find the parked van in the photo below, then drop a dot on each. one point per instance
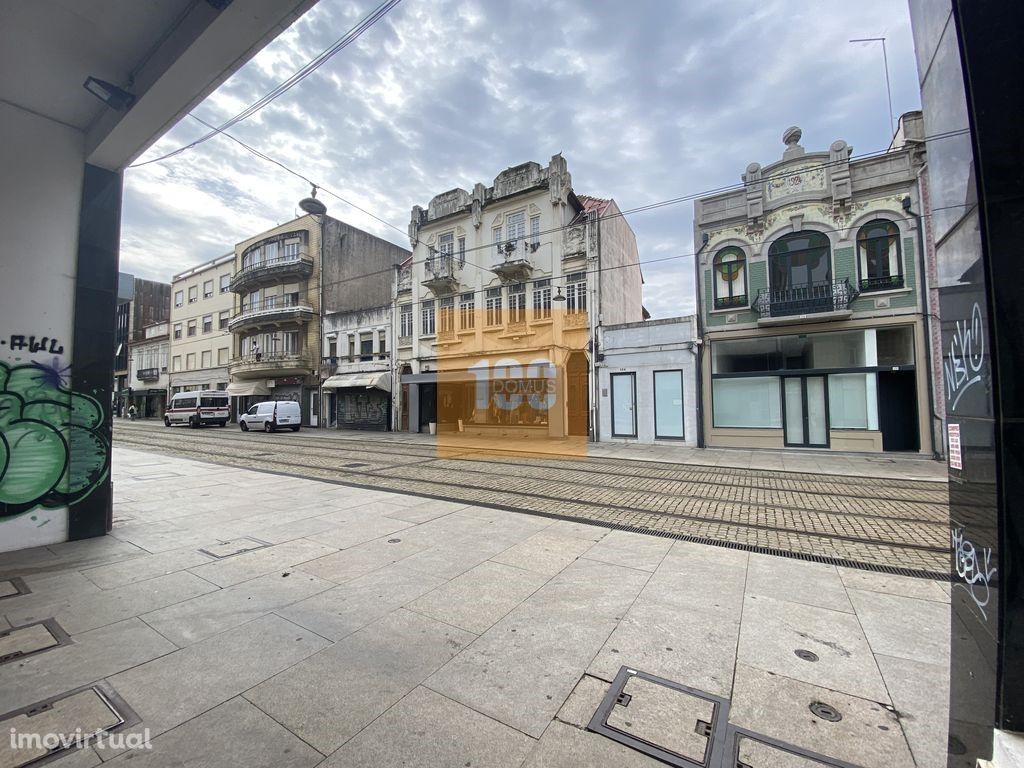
(209, 406)
(271, 415)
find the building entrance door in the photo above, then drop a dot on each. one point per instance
(577, 374)
(805, 411)
(897, 411)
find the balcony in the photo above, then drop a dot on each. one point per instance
(823, 301)
(271, 311)
(440, 270)
(512, 262)
(887, 283)
(270, 365)
(147, 374)
(272, 272)
(731, 302)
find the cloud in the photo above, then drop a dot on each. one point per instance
(648, 101)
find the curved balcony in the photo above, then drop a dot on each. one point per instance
(441, 269)
(272, 272)
(273, 311)
(270, 365)
(513, 263)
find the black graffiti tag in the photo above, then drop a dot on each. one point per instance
(19, 342)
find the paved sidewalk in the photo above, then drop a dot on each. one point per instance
(365, 628)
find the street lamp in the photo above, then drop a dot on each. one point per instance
(885, 61)
(315, 207)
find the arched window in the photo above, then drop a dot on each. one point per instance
(799, 275)
(730, 268)
(878, 256)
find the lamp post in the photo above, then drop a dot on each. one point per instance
(315, 207)
(885, 61)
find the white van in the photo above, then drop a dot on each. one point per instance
(210, 406)
(271, 415)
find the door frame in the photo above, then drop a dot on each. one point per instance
(682, 403)
(632, 381)
(803, 403)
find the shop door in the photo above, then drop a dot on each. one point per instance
(623, 405)
(897, 411)
(577, 375)
(428, 406)
(805, 405)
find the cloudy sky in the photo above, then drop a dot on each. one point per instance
(648, 101)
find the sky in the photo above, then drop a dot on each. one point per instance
(648, 100)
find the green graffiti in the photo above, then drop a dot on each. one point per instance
(53, 448)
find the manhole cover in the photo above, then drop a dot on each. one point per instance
(24, 641)
(233, 547)
(663, 719)
(825, 712)
(66, 722)
(806, 655)
(393, 541)
(750, 750)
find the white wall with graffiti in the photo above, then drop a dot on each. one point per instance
(50, 452)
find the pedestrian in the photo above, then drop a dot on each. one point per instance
(256, 351)
(131, 412)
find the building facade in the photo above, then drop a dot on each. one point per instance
(200, 343)
(141, 303)
(495, 311)
(285, 280)
(357, 368)
(149, 371)
(811, 302)
(648, 382)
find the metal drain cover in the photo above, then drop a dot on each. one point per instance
(18, 642)
(663, 719)
(56, 725)
(825, 712)
(233, 547)
(806, 655)
(751, 750)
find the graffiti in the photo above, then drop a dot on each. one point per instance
(19, 343)
(966, 355)
(975, 568)
(52, 448)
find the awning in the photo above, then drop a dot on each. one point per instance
(360, 381)
(247, 389)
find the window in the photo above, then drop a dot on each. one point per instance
(177, 330)
(176, 363)
(447, 243)
(542, 300)
(668, 405)
(190, 361)
(496, 235)
(515, 226)
(747, 402)
(730, 278)
(332, 348)
(462, 251)
(207, 323)
(291, 249)
(576, 293)
(222, 320)
(405, 324)
(848, 398)
(446, 316)
(517, 303)
(207, 359)
(225, 283)
(493, 306)
(467, 311)
(382, 342)
(222, 356)
(798, 261)
(427, 318)
(179, 298)
(208, 289)
(366, 346)
(535, 231)
(254, 301)
(193, 294)
(878, 256)
(191, 327)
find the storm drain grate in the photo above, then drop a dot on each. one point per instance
(661, 718)
(747, 749)
(224, 549)
(46, 729)
(13, 588)
(30, 639)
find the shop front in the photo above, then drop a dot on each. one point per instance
(360, 400)
(850, 390)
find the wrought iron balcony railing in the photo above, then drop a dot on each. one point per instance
(293, 265)
(808, 299)
(887, 283)
(729, 302)
(147, 374)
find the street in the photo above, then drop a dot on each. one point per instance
(898, 526)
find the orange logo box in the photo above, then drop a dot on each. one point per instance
(512, 385)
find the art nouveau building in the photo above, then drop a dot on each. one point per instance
(495, 311)
(812, 302)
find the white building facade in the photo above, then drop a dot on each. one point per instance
(149, 374)
(648, 382)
